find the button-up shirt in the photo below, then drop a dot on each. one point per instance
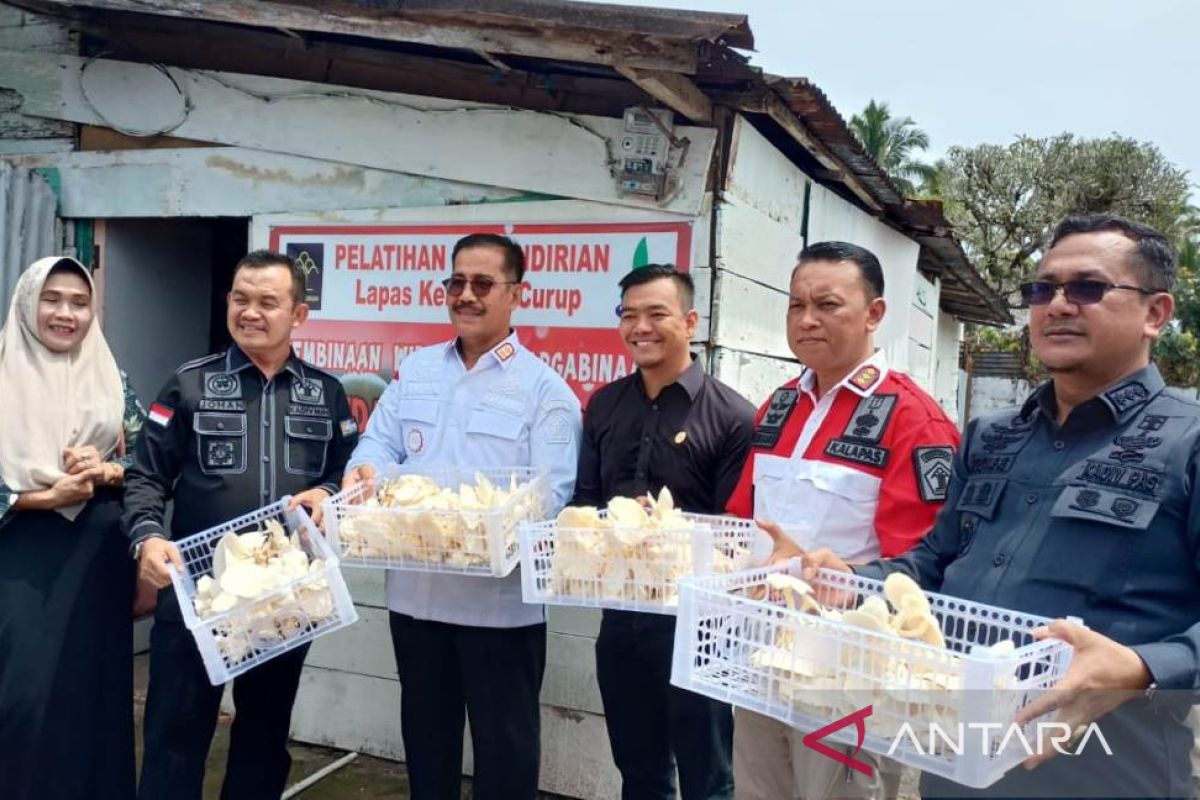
(862, 469)
(691, 438)
(223, 440)
(509, 410)
(1099, 519)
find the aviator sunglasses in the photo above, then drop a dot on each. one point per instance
(481, 285)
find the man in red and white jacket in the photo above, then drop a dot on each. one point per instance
(851, 456)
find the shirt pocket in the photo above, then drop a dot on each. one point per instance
(220, 442)
(307, 445)
(499, 424)
(976, 507)
(418, 419)
(1091, 542)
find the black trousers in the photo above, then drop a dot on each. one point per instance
(654, 727)
(493, 676)
(181, 716)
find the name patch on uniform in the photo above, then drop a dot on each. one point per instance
(1127, 395)
(778, 410)
(222, 385)
(1087, 502)
(308, 391)
(1139, 480)
(870, 419)
(990, 464)
(932, 466)
(857, 452)
(207, 404)
(309, 411)
(981, 495)
(160, 414)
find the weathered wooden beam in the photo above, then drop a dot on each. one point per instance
(673, 90)
(491, 33)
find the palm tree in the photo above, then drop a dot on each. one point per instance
(893, 143)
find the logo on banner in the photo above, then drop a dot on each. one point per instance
(311, 260)
(857, 719)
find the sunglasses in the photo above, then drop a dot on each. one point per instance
(1081, 293)
(481, 285)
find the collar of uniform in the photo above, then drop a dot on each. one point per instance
(295, 366)
(863, 380)
(503, 353)
(1129, 394)
(1122, 399)
(236, 360)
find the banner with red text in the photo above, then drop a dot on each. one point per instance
(375, 293)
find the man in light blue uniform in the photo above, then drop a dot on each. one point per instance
(466, 644)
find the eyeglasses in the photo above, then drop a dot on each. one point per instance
(481, 285)
(1081, 293)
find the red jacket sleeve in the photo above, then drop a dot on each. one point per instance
(741, 502)
(916, 477)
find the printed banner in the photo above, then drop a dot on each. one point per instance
(375, 293)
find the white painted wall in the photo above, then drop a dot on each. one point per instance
(947, 378)
(990, 394)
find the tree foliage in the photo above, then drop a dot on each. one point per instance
(1004, 200)
(894, 143)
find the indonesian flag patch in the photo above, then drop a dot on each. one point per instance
(160, 414)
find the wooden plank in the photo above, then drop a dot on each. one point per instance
(555, 154)
(360, 712)
(494, 33)
(754, 245)
(235, 181)
(673, 90)
(764, 178)
(754, 376)
(749, 316)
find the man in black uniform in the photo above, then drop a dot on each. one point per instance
(668, 424)
(230, 433)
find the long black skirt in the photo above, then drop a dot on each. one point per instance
(66, 663)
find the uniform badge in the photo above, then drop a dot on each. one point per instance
(222, 385)
(415, 441)
(220, 454)
(865, 378)
(308, 391)
(349, 428)
(1127, 395)
(869, 421)
(933, 468)
(778, 410)
(505, 351)
(161, 415)
(681, 437)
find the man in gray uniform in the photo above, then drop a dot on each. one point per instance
(1084, 502)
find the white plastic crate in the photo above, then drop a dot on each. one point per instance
(737, 642)
(631, 568)
(437, 540)
(240, 639)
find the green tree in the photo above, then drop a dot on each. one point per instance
(1005, 199)
(894, 143)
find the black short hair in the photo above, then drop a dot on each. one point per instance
(868, 264)
(1155, 259)
(258, 259)
(67, 264)
(655, 272)
(514, 256)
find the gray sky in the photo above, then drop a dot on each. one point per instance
(975, 71)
